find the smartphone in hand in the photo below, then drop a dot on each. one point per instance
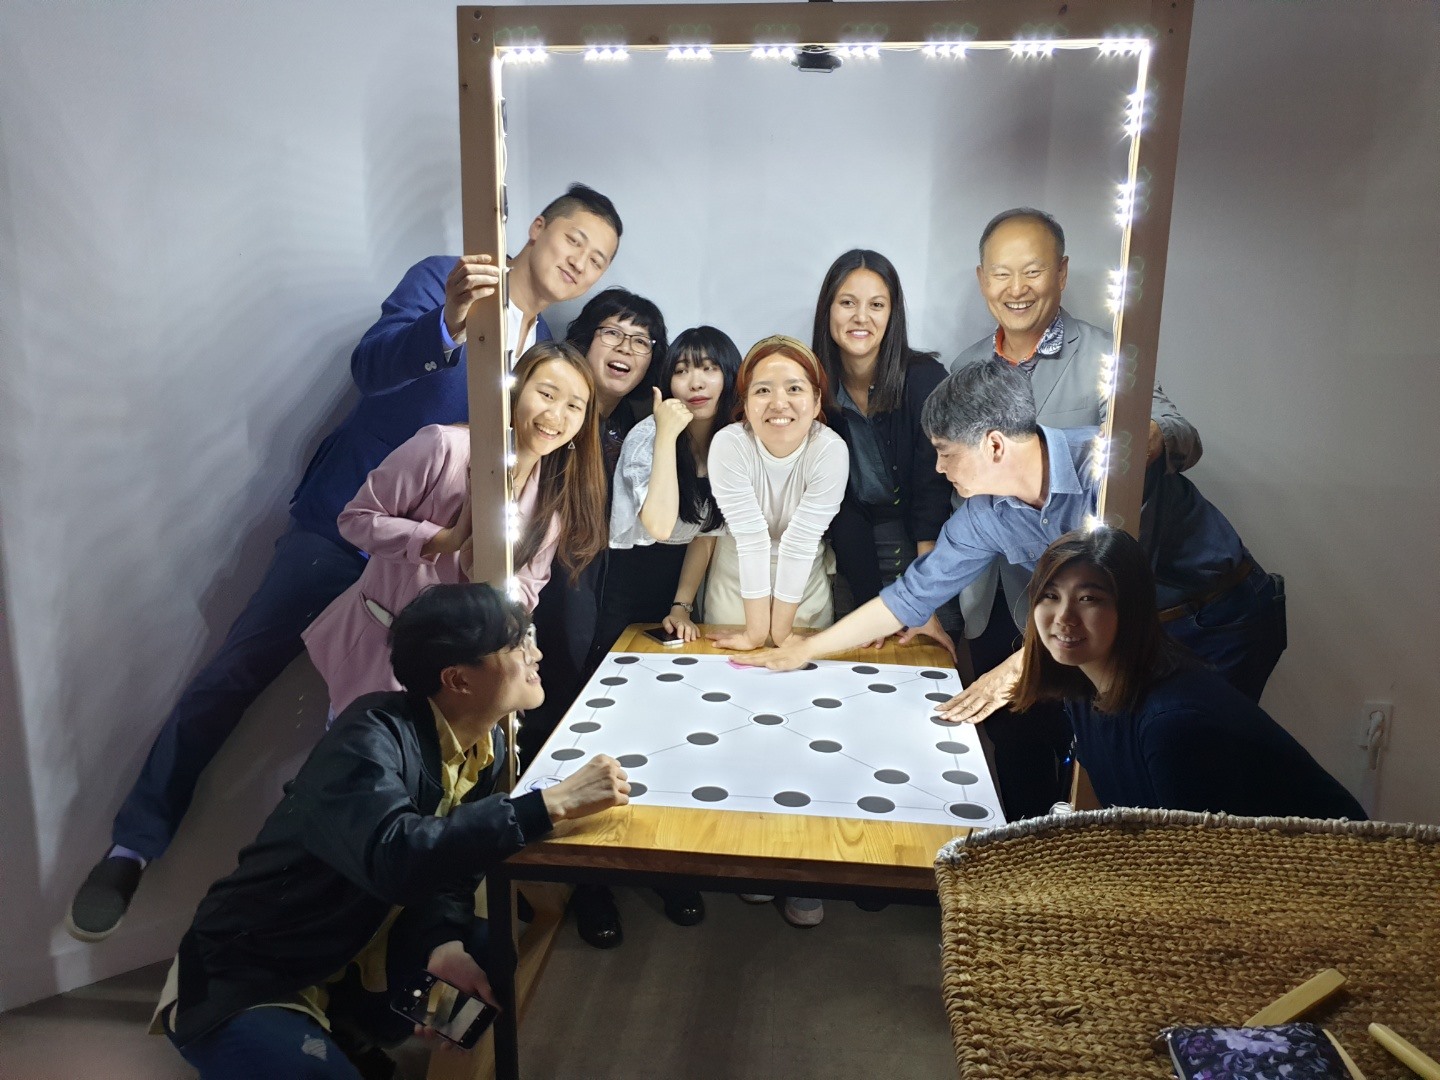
(664, 637)
(453, 1014)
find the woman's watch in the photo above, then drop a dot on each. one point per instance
(682, 605)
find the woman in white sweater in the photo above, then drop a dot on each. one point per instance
(778, 476)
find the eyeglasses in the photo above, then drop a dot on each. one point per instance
(613, 336)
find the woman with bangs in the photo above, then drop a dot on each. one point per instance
(412, 517)
(1153, 726)
(779, 475)
(895, 502)
(663, 517)
(663, 523)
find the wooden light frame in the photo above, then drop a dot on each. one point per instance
(1157, 33)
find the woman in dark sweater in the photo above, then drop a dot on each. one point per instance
(1153, 727)
(895, 502)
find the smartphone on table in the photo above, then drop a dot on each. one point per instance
(664, 637)
(432, 1002)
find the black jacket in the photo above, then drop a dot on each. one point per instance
(924, 493)
(354, 836)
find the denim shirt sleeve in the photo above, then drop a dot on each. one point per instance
(962, 552)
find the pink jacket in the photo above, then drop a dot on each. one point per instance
(405, 501)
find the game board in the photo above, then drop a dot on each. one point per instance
(837, 739)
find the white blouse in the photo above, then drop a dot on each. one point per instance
(777, 509)
(632, 484)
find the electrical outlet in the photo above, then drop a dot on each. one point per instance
(1374, 734)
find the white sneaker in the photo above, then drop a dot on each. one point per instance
(803, 913)
(756, 898)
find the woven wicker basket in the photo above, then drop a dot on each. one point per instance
(1070, 941)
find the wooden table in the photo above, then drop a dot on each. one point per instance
(718, 850)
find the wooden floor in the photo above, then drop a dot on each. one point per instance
(743, 996)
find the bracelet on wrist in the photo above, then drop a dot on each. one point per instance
(687, 608)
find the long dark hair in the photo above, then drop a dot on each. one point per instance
(572, 482)
(622, 304)
(1142, 654)
(693, 346)
(895, 352)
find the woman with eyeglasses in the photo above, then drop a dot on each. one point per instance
(412, 517)
(663, 517)
(619, 334)
(1153, 726)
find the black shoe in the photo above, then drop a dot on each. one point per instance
(683, 908)
(103, 899)
(596, 916)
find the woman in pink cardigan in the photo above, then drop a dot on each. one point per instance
(412, 517)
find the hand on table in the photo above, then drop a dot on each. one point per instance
(457, 967)
(679, 622)
(473, 277)
(933, 630)
(597, 785)
(982, 697)
(741, 640)
(788, 657)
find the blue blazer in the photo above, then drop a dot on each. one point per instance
(406, 381)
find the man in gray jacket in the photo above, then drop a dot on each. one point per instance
(1022, 274)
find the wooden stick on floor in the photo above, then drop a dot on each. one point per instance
(1412, 1057)
(1300, 1000)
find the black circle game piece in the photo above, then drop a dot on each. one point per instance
(768, 719)
(632, 761)
(826, 703)
(811, 666)
(710, 794)
(627, 659)
(934, 674)
(669, 676)
(956, 776)
(943, 722)
(684, 661)
(715, 695)
(703, 738)
(585, 727)
(792, 798)
(875, 804)
(614, 680)
(865, 669)
(892, 776)
(969, 811)
(636, 790)
(952, 747)
(938, 697)
(599, 702)
(881, 688)
(568, 753)
(825, 746)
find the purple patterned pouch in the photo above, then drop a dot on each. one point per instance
(1282, 1052)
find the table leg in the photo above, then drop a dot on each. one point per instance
(501, 972)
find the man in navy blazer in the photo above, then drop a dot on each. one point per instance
(410, 368)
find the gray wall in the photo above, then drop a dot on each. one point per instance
(201, 207)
